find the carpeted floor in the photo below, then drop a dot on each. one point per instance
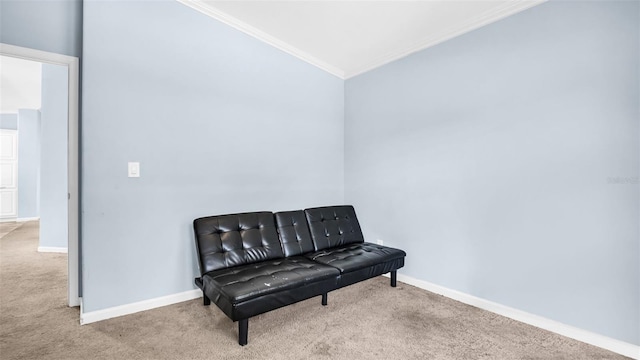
(369, 320)
(7, 227)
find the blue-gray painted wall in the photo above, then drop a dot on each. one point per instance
(505, 162)
(53, 166)
(9, 121)
(47, 25)
(220, 123)
(28, 163)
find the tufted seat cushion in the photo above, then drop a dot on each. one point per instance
(277, 279)
(354, 257)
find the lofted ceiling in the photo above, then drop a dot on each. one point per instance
(20, 84)
(347, 38)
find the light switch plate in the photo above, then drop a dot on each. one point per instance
(134, 169)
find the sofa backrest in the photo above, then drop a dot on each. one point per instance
(333, 226)
(230, 240)
(294, 232)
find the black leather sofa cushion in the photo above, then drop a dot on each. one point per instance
(333, 226)
(242, 283)
(369, 272)
(294, 233)
(259, 305)
(356, 256)
(236, 239)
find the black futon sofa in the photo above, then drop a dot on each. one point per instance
(256, 262)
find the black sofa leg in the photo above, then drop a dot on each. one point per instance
(324, 299)
(243, 331)
(394, 277)
(205, 299)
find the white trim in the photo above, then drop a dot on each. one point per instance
(25, 219)
(495, 14)
(99, 315)
(8, 220)
(225, 18)
(49, 249)
(73, 185)
(72, 163)
(601, 341)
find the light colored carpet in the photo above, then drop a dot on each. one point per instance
(7, 227)
(369, 320)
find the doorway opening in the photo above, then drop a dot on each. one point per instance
(71, 65)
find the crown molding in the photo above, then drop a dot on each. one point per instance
(495, 14)
(225, 18)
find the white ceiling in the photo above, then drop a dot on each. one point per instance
(347, 38)
(20, 84)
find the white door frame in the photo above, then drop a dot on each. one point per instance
(72, 64)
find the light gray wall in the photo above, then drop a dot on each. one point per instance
(9, 121)
(29, 163)
(47, 25)
(220, 123)
(505, 162)
(53, 170)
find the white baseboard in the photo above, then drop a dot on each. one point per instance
(27, 219)
(47, 249)
(617, 346)
(99, 315)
